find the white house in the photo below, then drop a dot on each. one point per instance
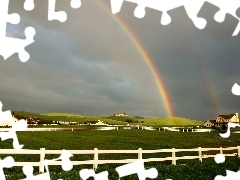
(222, 119)
(228, 118)
(120, 114)
(98, 122)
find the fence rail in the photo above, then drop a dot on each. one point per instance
(95, 162)
(112, 128)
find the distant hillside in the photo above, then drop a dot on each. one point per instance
(127, 119)
(171, 121)
(167, 121)
(61, 114)
(27, 114)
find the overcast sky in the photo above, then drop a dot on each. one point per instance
(88, 65)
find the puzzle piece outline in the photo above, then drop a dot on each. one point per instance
(192, 9)
(16, 126)
(10, 45)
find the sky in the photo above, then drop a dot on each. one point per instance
(93, 64)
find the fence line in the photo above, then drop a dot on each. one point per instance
(95, 162)
(112, 128)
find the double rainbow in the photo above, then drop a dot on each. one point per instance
(136, 42)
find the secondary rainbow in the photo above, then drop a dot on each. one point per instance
(145, 56)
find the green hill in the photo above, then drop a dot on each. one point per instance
(171, 121)
(61, 114)
(127, 119)
(121, 120)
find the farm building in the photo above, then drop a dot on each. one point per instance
(228, 118)
(120, 114)
(222, 119)
(95, 123)
(209, 123)
(98, 122)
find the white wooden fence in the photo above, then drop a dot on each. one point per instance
(112, 128)
(95, 162)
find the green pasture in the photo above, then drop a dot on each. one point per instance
(121, 139)
(127, 140)
(171, 121)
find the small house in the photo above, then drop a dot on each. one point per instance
(209, 123)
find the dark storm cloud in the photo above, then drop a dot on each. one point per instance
(88, 65)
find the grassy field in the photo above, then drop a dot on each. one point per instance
(167, 121)
(171, 121)
(129, 139)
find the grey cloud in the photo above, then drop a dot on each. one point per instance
(89, 65)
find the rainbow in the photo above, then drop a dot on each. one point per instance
(209, 84)
(144, 54)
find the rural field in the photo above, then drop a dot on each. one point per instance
(128, 140)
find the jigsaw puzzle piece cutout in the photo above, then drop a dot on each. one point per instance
(219, 158)
(227, 7)
(7, 162)
(140, 11)
(227, 133)
(53, 15)
(5, 17)
(66, 162)
(238, 12)
(160, 6)
(116, 5)
(8, 45)
(87, 173)
(230, 175)
(28, 171)
(193, 8)
(16, 126)
(66, 166)
(6, 115)
(217, 29)
(75, 4)
(138, 168)
(29, 5)
(236, 89)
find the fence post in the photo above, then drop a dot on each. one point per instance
(200, 154)
(173, 156)
(221, 151)
(183, 130)
(139, 153)
(238, 148)
(95, 165)
(42, 156)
